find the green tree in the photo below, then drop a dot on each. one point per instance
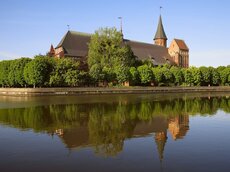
(146, 74)
(224, 74)
(4, 73)
(134, 76)
(65, 73)
(108, 53)
(215, 76)
(37, 72)
(16, 74)
(206, 75)
(197, 76)
(167, 75)
(188, 77)
(122, 74)
(158, 74)
(177, 75)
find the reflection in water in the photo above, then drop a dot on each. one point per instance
(105, 126)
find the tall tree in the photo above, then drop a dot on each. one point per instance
(108, 54)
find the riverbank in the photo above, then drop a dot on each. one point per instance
(107, 90)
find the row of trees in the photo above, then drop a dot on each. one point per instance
(40, 72)
(174, 76)
(49, 72)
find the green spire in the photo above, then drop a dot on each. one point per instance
(160, 34)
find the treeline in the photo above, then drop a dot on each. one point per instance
(41, 71)
(51, 72)
(174, 76)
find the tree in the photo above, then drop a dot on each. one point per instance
(107, 53)
(146, 74)
(197, 76)
(167, 75)
(206, 75)
(37, 72)
(177, 75)
(158, 75)
(122, 74)
(224, 74)
(188, 77)
(65, 73)
(4, 72)
(72, 77)
(215, 76)
(16, 76)
(134, 76)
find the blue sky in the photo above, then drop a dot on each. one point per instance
(28, 27)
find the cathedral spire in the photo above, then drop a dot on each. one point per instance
(160, 36)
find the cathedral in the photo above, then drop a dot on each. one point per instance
(75, 45)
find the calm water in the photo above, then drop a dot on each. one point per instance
(173, 132)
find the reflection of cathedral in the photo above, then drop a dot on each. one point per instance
(178, 127)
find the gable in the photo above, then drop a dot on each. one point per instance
(181, 44)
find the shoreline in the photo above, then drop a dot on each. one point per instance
(107, 90)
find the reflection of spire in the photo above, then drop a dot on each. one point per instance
(160, 139)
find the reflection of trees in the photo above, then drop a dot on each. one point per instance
(109, 124)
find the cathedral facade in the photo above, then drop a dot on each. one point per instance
(75, 45)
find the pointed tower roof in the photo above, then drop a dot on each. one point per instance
(160, 34)
(160, 139)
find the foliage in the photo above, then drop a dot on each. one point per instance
(146, 75)
(177, 75)
(16, 74)
(4, 72)
(224, 75)
(158, 74)
(108, 55)
(134, 76)
(37, 72)
(65, 73)
(196, 75)
(206, 76)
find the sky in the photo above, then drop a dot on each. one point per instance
(29, 27)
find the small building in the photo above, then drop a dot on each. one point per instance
(75, 45)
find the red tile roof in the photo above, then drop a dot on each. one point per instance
(181, 44)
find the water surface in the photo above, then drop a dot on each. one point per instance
(150, 132)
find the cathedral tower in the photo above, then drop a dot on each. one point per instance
(160, 36)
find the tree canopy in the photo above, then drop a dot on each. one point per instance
(108, 57)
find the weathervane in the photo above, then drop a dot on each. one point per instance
(68, 27)
(160, 9)
(120, 18)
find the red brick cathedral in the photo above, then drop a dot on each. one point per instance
(75, 45)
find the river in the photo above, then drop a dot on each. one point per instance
(130, 132)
